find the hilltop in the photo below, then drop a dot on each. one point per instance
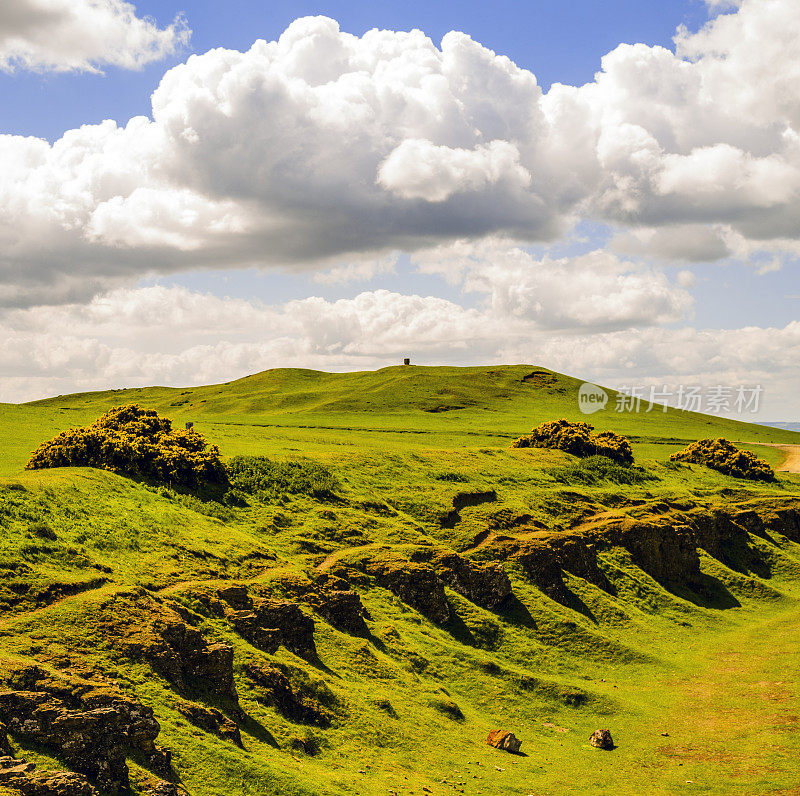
(365, 637)
(448, 406)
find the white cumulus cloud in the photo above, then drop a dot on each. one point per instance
(82, 35)
(323, 146)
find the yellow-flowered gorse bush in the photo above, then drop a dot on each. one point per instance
(723, 456)
(138, 443)
(577, 438)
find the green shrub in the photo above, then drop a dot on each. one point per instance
(596, 469)
(723, 456)
(138, 443)
(258, 475)
(577, 439)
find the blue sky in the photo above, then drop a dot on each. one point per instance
(333, 200)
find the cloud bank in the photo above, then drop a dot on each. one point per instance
(323, 145)
(160, 335)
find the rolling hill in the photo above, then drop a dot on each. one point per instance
(365, 638)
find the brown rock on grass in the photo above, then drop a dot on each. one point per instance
(601, 739)
(21, 777)
(90, 725)
(502, 739)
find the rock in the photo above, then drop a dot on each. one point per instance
(9, 766)
(342, 608)
(236, 596)
(785, 521)
(184, 656)
(486, 585)
(278, 692)
(161, 788)
(90, 726)
(502, 739)
(211, 720)
(270, 623)
(296, 629)
(601, 739)
(5, 746)
(143, 628)
(413, 582)
(248, 625)
(579, 557)
(21, 776)
(542, 566)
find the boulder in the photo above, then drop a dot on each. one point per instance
(502, 739)
(601, 739)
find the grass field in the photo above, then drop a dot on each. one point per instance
(411, 700)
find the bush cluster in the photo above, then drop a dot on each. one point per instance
(723, 456)
(258, 475)
(577, 439)
(597, 469)
(138, 443)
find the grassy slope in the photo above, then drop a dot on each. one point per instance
(644, 662)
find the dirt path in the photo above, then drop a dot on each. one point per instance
(791, 464)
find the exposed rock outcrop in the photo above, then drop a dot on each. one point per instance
(22, 777)
(342, 608)
(90, 726)
(486, 585)
(413, 582)
(276, 690)
(664, 542)
(785, 521)
(143, 628)
(667, 551)
(270, 623)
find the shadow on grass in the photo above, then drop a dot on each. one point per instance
(515, 612)
(237, 714)
(705, 592)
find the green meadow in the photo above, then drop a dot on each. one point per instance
(697, 680)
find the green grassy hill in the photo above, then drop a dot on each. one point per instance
(441, 406)
(366, 640)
